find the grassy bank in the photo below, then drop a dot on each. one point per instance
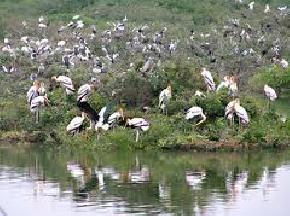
(266, 130)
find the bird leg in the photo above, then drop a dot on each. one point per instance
(137, 135)
(37, 116)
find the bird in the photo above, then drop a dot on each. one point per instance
(75, 126)
(241, 113)
(195, 178)
(282, 8)
(75, 17)
(270, 93)
(164, 97)
(65, 82)
(41, 25)
(267, 9)
(195, 112)
(61, 43)
(125, 19)
(139, 125)
(6, 41)
(110, 122)
(251, 5)
(230, 110)
(210, 85)
(36, 103)
(40, 19)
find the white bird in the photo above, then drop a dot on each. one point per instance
(41, 25)
(267, 9)
(75, 17)
(230, 110)
(5, 69)
(125, 19)
(65, 83)
(251, 5)
(75, 125)
(80, 24)
(270, 93)
(40, 19)
(284, 63)
(24, 23)
(164, 97)
(282, 8)
(195, 112)
(241, 113)
(61, 43)
(139, 125)
(6, 40)
(208, 80)
(36, 103)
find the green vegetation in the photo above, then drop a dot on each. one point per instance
(168, 132)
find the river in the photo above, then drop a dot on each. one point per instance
(45, 182)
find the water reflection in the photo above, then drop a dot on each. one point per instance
(154, 183)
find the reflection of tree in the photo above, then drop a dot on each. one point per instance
(156, 181)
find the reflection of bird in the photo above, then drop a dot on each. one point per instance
(195, 178)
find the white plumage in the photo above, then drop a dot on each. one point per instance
(194, 112)
(41, 25)
(270, 93)
(284, 63)
(251, 5)
(208, 79)
(61, 43)
(76, 17)
(282, 8)
(66, 83)
(267, 8)
(37, 102)
(242, 114)
(164, 97)
(75, 124)
(139, 123)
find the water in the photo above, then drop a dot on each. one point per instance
(44, 182)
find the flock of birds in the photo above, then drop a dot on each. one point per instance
(74, 49)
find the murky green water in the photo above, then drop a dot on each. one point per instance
(43, 182)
